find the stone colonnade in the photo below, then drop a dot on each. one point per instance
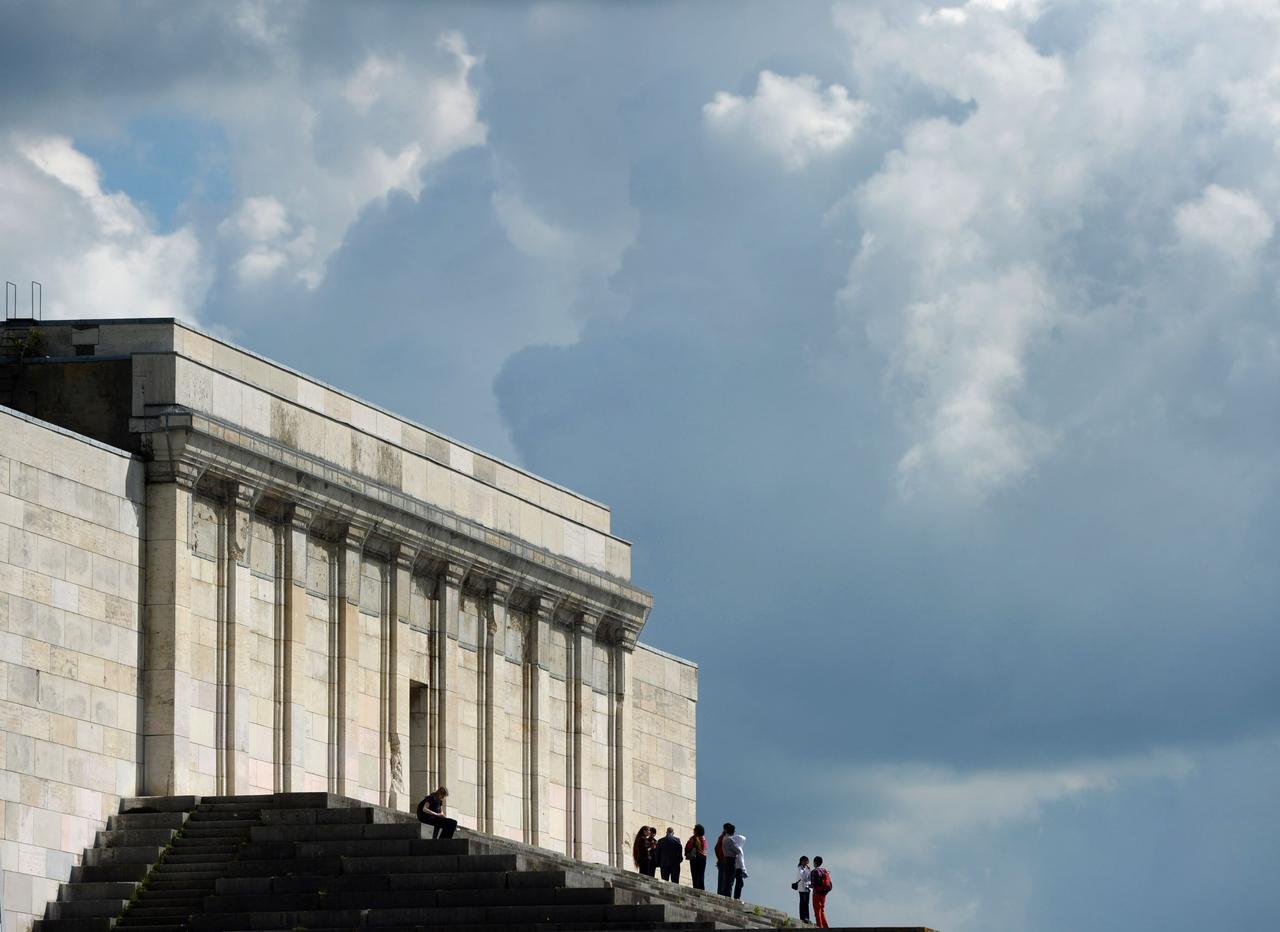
(256, 648)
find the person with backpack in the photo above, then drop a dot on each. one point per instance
(820, 884)
(801, 885)
(695, 852)
(431, 812)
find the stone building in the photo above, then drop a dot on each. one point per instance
(220, 576)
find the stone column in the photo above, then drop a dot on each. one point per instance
(495, 628)
(620, 777)
(293, 573)
(537, 719)
(397, 688)
(166, 675)
(449, 601)
(350, 549)
(236, 582)
(582, 637)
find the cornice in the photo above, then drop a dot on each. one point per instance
(196, 450)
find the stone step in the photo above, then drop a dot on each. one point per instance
(84, 909)
(196, 826)
(195, 860)
(124, 854)
(195, 853)
(314, 800)
(464, 916)
(356, 847)
(133, 837)
(190, 897)
(122, 890)
(108, 873)
(470, 880)
(95, 924)
(271, 867)
(131, 820)
(225, 815)
(166, 911)
(132, 804)
(448, 863)
(405, 899)
(212, 843)
(164, 877)
(556, 927)
(361, 831)
(366, 815)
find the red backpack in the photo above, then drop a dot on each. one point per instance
(820, 880)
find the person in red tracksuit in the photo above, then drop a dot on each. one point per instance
(820, 883)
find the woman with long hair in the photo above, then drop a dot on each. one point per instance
(651, 851)
(640, 851)
(802, 886)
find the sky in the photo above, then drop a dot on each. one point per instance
(928, 353)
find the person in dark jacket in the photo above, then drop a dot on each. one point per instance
(431, 812)
(670, 854)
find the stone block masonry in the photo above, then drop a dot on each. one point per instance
(70, 514)
(278, 587)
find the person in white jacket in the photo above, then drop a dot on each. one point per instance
(801, 885)
(733, 845)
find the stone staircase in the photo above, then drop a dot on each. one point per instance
(319, 862)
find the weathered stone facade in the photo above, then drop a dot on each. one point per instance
(278, 587)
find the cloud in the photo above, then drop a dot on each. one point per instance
(1229, 223)
(792, 120)
(96, 253)
(979, 234)
(321, 151)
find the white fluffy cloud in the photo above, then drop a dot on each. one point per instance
(315, 153)
(978, 232)
(96, 253)
(793, 120)
(1229, 223)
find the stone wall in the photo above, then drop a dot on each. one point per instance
(664, 769)
(70, 512)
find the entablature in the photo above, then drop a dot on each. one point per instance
(291, 487)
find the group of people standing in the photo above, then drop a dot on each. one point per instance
(652, 854)
(815, 880)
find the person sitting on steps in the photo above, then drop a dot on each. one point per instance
(431, 812)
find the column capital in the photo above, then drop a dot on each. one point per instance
(542, 608)
(299, 515)
(584, 622)
(454, 574)
(616, 632)
(241, 494)
(354, 533)
(403, 556)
